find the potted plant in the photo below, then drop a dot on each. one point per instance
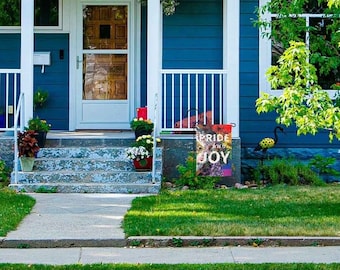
(40, 98)
(41, 127)
(141, 152)
(141, 126)
(28, 149)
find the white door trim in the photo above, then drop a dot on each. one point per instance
(134, 61)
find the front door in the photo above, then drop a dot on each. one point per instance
(104, 65)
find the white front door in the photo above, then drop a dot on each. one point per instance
(105, 77)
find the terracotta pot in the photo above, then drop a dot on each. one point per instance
(143, 164)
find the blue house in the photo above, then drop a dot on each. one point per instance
(100, 60)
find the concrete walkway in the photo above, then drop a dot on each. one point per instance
(172, 255)
(86, 228)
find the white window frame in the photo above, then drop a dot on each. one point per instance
(265, 53)
(16, 29)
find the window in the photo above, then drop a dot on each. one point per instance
(310, 22)
(46, 12)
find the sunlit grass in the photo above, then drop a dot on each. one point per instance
(13, 208)
(276, 211)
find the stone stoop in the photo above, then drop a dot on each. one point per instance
(87, 169)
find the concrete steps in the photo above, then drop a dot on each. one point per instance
(88, 169)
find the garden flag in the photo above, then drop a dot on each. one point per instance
(213, 150)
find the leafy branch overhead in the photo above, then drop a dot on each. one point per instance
(303, 102)
(306, 57)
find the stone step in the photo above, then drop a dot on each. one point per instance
(99, 177)
(88, 168)
(114, 153)
(89, 188)
(86, 164)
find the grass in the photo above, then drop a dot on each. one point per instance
(275, 211)
(269, 266)
(14, 207)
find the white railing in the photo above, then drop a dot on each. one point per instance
(9, 93)
(18, 114)
(192, 97)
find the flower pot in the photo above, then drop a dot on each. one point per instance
(141, 132)
(143, 164)
(26, 163)
(41, 138)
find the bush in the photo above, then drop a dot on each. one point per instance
(286, 171)
(4, 174)
(188, 176)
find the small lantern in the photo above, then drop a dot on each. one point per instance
(142, 113)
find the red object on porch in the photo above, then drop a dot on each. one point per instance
(142, 113)
(143, 165)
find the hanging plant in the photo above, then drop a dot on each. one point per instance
(168, 6)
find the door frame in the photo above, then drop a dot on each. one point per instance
(133, 62)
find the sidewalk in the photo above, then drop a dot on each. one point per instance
(86, 228)
(171, 255)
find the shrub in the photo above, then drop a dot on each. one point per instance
(286, 171)
(323, 166)
(4, 174)
(188, 176)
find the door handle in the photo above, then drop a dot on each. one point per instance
(78, 61)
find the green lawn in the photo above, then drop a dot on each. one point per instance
(275, 211)
(14, 207)
(305, 266)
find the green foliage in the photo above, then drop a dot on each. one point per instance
(288, 26)
(10, 13)
(38, 124)
(188, 176)
(323, 165)
(142, 124)
(177, 242)
(14, 207)
(286, 171)
(4, 173)
(275, 210)
(40, 98)
(43, 189)
(302, 101)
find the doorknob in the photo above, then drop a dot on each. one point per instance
(78, 61)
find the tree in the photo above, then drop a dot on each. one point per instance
(302, 102)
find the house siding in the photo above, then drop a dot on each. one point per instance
(192, 38)
(55, 79)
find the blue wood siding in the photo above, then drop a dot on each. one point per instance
(192, 38)
(254, 127)
(55, 80)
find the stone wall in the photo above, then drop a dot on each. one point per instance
(250, 158)
(7, 150)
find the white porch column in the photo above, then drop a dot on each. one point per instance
(154, 61)
(232, 61)
(26, 56)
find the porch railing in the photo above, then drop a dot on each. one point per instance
(192, 97)
(9, 94)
